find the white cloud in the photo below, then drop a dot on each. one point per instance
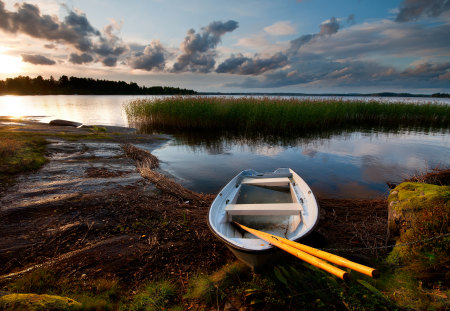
(282, 28)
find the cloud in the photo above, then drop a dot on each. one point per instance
(37, 59)
(414, 9)
(354, 73)
(80, 58)
(329, 27)
(356, 56)
(281, 28)
(256, 41)
(50, 46)
(351, 19)
(152, 58)
(75, 31)
(251, 66)
(199, 48)
(256, 65)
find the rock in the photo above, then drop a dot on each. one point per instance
(58, 122)
(34, 302)
(418, 211)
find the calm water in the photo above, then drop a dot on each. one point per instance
(350, 165)
(343, 165)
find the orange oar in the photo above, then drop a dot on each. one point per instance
(319, 263)
(321, 254)
(341, 261)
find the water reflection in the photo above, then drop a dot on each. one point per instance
(349, 164)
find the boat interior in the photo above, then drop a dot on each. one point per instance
(271, 204)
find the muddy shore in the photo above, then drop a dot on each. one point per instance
(90, 213)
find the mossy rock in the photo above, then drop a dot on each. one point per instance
(419, 217)
(34, 302)
(408, 200)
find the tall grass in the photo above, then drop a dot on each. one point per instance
(275, 116)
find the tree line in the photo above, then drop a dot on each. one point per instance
(441, 95)
(24, 85)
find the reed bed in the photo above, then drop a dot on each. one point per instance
(280, 115)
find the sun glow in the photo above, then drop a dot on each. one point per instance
(10, 64)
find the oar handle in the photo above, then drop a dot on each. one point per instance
(341, 261)
(298, 253)
(316, 253)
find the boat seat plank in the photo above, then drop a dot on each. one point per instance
(266, 181)
(264, 209)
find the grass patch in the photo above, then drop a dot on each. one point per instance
(292, 285)
(20, 152)
(154, 296)
(98, 294)
(280, 116)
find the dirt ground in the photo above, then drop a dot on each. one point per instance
(89, 213)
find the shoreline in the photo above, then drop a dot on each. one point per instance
(102, 212)
(102, 224)
(96, 169)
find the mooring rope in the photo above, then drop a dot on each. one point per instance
(385, 246)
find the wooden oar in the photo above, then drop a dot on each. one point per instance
(319, 263)
(341, 261)
(320, 254)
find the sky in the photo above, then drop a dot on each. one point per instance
(303, 46)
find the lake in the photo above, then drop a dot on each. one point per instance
(336, 165)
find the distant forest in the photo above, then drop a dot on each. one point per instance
(24, 85)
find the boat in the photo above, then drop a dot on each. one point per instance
(278, 203)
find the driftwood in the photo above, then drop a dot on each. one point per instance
(146, 162)
(142, 157)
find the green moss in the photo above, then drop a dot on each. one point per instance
(34, 302)
(20, 152)
(96, 128)
(419, 212)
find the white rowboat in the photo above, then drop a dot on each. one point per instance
(279, 203)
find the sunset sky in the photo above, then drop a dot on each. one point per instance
(307, 46)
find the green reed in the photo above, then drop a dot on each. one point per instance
(284, 116)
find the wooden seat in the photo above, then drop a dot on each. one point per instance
(264, 209)
(281, 181)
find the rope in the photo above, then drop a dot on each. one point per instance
(386, 246)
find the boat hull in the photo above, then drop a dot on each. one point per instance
(250, 250)
(256, 260)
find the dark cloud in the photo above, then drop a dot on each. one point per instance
(109, 61)
(352, 58)
(354, 74)
(329, 27)
(199, 48)
(75, 30)
(296, 44)
(414, 9)
(384, 38)
(152, 58)
(429, 71)
(50, 46)
(37, 59)
(256, 65)
(110, 44)
(351, 19)
(252, 66)
(80, 58)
